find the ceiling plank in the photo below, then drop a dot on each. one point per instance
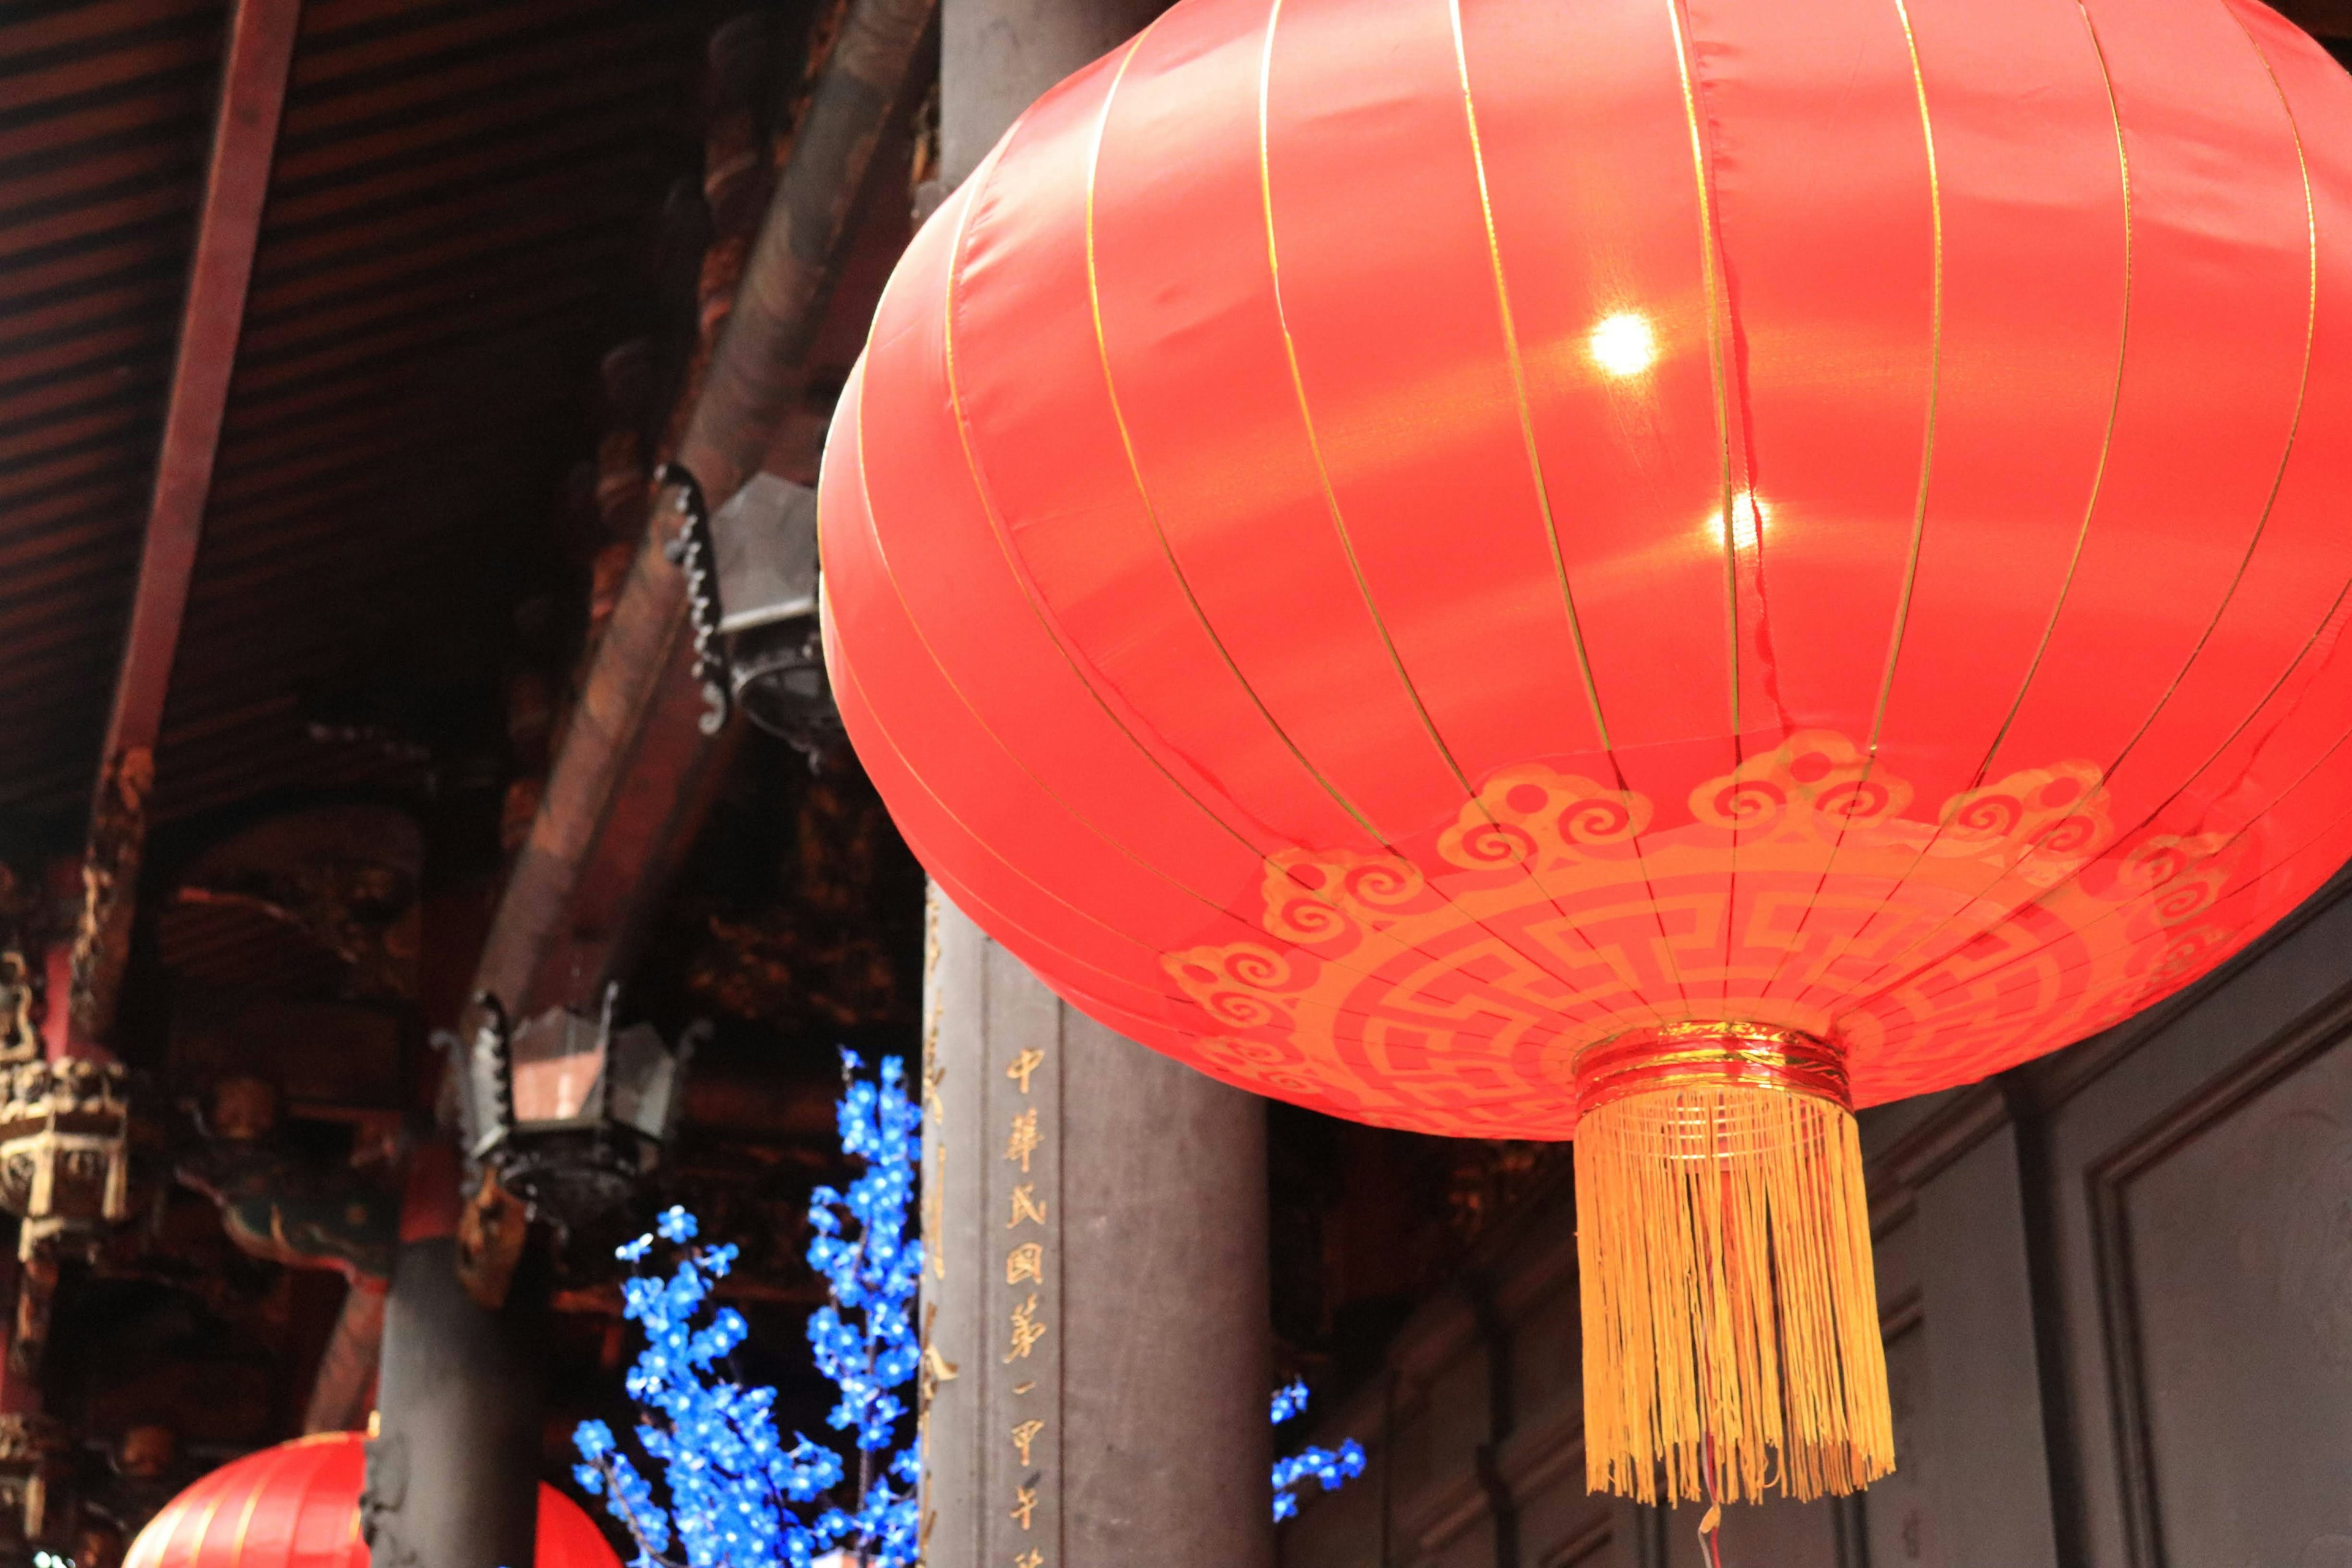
(229, 229)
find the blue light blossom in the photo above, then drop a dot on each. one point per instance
(734, 1494)
(1333, 1469)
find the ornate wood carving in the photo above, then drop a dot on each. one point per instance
(21, 936)
(33, 1452)
(118, 842)
(320, 901)
(283, 1210)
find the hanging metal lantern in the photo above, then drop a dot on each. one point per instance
(570, 1113)
(65, 1160)
(751, 574)
(1654, 570)
(765, 540)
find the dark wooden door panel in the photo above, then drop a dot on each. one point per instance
(2200, 1186)
(2227, 1252)
(1898, 1514)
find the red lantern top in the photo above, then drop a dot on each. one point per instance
(1379, 543)
(298, 1506)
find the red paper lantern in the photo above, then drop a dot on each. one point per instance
(298, 1506)
(1470, 565)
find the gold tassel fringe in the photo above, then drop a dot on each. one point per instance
(1730, 1311)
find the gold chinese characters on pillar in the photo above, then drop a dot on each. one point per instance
(1023, 1143)
(1024, 1264)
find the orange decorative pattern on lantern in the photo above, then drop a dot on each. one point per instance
(1455, 996)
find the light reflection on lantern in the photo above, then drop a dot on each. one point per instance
(1623, 344)
(1749, 517)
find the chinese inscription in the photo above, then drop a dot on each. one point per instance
(1026, 1331)
(1023, 1435)
(1024, 1264)
(1024, 1140)
(1027, 1062)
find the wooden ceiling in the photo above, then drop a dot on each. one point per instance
(462, 217)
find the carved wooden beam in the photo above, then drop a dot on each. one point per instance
(630, 782)
(228, 226)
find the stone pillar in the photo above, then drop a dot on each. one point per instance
(453, 1470)
(1095, 1303)
(1095, 1299)
(997, 56)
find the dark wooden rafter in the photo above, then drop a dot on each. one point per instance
(228, 228)
(630, 784)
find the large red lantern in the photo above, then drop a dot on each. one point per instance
(298, 1506)
(1689, 564)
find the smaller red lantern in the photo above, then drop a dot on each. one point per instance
(298, 1506)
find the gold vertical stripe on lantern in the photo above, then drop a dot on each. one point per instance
(1731, 1338)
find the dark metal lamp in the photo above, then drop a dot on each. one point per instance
(751, 571)
(571, 1113)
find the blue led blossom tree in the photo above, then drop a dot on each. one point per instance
(736, 1495)
(1333, 1469)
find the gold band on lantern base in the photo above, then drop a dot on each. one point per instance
(1731, 1340)
(1679, 1055)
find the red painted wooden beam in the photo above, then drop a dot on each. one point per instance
(245, 138)
(628, 789)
